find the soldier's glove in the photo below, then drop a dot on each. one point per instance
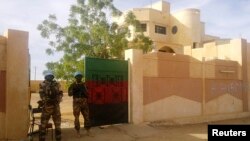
(40, 103)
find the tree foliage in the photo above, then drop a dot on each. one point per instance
(89, 33)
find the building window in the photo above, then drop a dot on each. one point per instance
(141, 28)
(174, 29)
(195, 45)
(160, 29)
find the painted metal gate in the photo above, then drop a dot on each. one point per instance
(107, 83)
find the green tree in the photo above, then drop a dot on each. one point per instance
(89, 33)
(139, 41)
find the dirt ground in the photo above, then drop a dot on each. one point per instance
(130, 132)
(65, 105)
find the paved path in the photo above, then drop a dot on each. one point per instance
(142, 132)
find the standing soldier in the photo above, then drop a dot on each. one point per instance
(80, 105)
(51, 96)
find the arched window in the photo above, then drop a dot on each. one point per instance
(166, 49)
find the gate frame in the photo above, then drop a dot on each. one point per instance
(135, 85)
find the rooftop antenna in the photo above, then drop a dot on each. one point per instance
(35, 74)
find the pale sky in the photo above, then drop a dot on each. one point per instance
(223, 18)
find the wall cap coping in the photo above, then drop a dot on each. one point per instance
(3, 40)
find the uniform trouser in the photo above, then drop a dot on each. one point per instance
(80, 105)
(47, 112)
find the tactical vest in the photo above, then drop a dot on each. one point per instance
(79, 90)
(51, 91)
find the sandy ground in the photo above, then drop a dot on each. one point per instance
(130, 132)
(65, 105)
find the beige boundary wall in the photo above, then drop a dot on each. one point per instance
(14, 84)
(34, 86)
(179, 86)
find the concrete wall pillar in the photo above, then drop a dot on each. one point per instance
(244, 75)
(248, 75)
(2, 86)
(135, 59)
(17, 85)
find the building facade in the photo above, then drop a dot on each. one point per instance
(205, 78)
(175, 30)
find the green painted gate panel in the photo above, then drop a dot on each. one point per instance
(107, 83)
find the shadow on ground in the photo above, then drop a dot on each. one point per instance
(143, 132)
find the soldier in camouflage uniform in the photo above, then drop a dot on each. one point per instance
(80, 105)
(51, 96)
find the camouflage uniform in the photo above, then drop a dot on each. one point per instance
(51, 96)
(80, 104)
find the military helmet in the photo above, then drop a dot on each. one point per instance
(47, 73)
(77, 74)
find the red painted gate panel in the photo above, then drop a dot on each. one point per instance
(2, 91)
